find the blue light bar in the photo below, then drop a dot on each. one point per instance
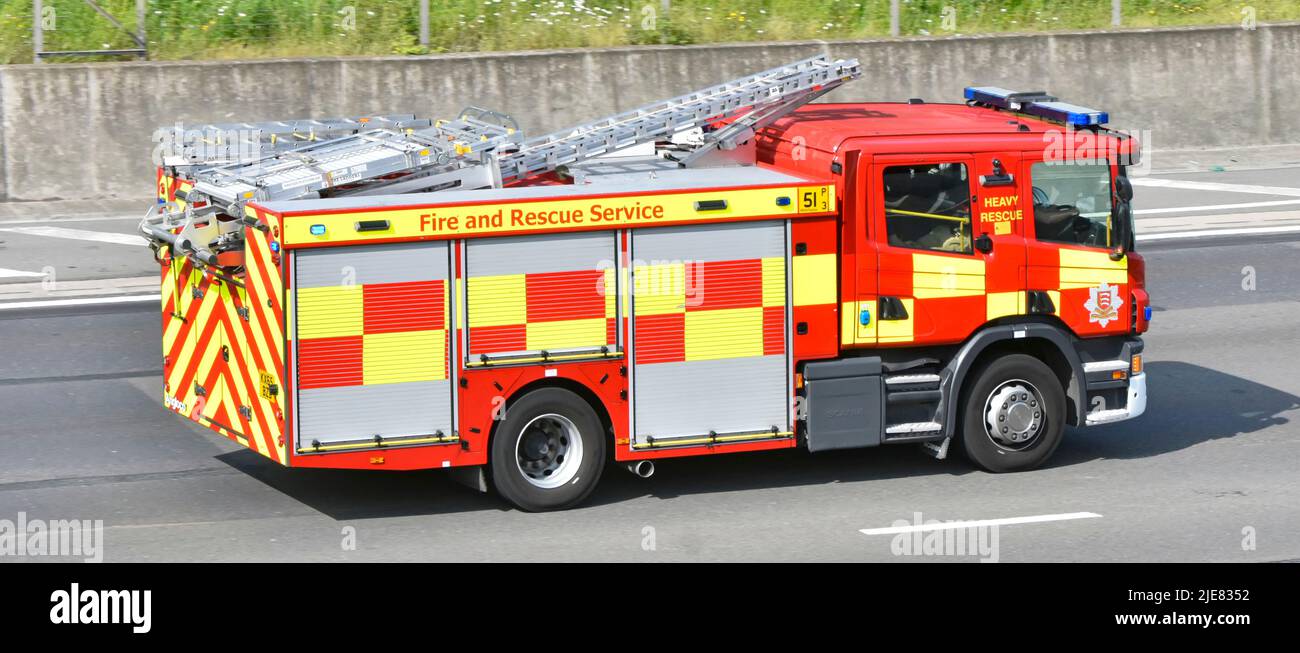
(1036, 103)
(318, 230)
(1070, 114)
(995, 96)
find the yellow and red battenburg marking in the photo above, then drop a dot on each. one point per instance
(710, 310)
(371, 334)
(541, 311)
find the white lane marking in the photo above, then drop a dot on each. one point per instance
(1215, 220)
(1006, 521)
(6, 272)
(86, 301)
(1214, 207)
(80, 234)
(1215, 186)
(68, 218)
(1208, 233)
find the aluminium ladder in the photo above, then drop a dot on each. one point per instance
(203, 146)
(481, 149)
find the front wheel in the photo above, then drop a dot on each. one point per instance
(1013, 417)
(548, 452)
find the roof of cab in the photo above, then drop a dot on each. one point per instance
(827, 126)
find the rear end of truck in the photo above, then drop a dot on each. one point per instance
(223, 329)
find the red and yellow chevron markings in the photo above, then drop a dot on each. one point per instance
(223, 347)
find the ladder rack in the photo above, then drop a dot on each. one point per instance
(482, 149)
(203, 146)
(477, 149)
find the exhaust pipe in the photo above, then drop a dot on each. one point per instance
(642, 468)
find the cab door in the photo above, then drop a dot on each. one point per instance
(1001, 209)
(931, 281)
(951, 241)
(1070, 239)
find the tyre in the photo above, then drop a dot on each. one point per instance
(548, 452)
(1013, 415)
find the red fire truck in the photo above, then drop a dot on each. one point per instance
(735, 269)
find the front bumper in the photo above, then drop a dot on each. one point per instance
(1135, 406)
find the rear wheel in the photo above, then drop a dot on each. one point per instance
(1013, 416)
(548, 452)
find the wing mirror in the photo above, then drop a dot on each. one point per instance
(1122, 217)
(1123, 230)
(1123, 188)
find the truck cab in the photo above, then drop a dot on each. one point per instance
(974, 237)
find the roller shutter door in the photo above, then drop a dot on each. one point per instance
(372, 345)
(548, 295)
(709, 333)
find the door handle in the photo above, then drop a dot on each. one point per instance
(984, 243)
(892, 308)
(1040, 302)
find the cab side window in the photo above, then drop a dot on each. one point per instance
(928, 207)
(1072, 203)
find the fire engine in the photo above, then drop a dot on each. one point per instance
(736, 269)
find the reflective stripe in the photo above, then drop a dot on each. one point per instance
(404, 356)
(724, 333)
(1002, 304)
(498, 300)
(330, 312)
(815, 279)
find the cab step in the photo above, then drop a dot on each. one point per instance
(914, 428)
(901, 381)
(912, 399)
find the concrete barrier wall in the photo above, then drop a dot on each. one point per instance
(83, 131)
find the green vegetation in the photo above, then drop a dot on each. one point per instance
(229, 29)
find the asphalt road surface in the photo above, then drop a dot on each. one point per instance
(1208, 474)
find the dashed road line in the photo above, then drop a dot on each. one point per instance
(7, 273)
(1210, 233)
(80, 234)
(979, 523)
(1179, 184)
(85, 301)
(1214, 207)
